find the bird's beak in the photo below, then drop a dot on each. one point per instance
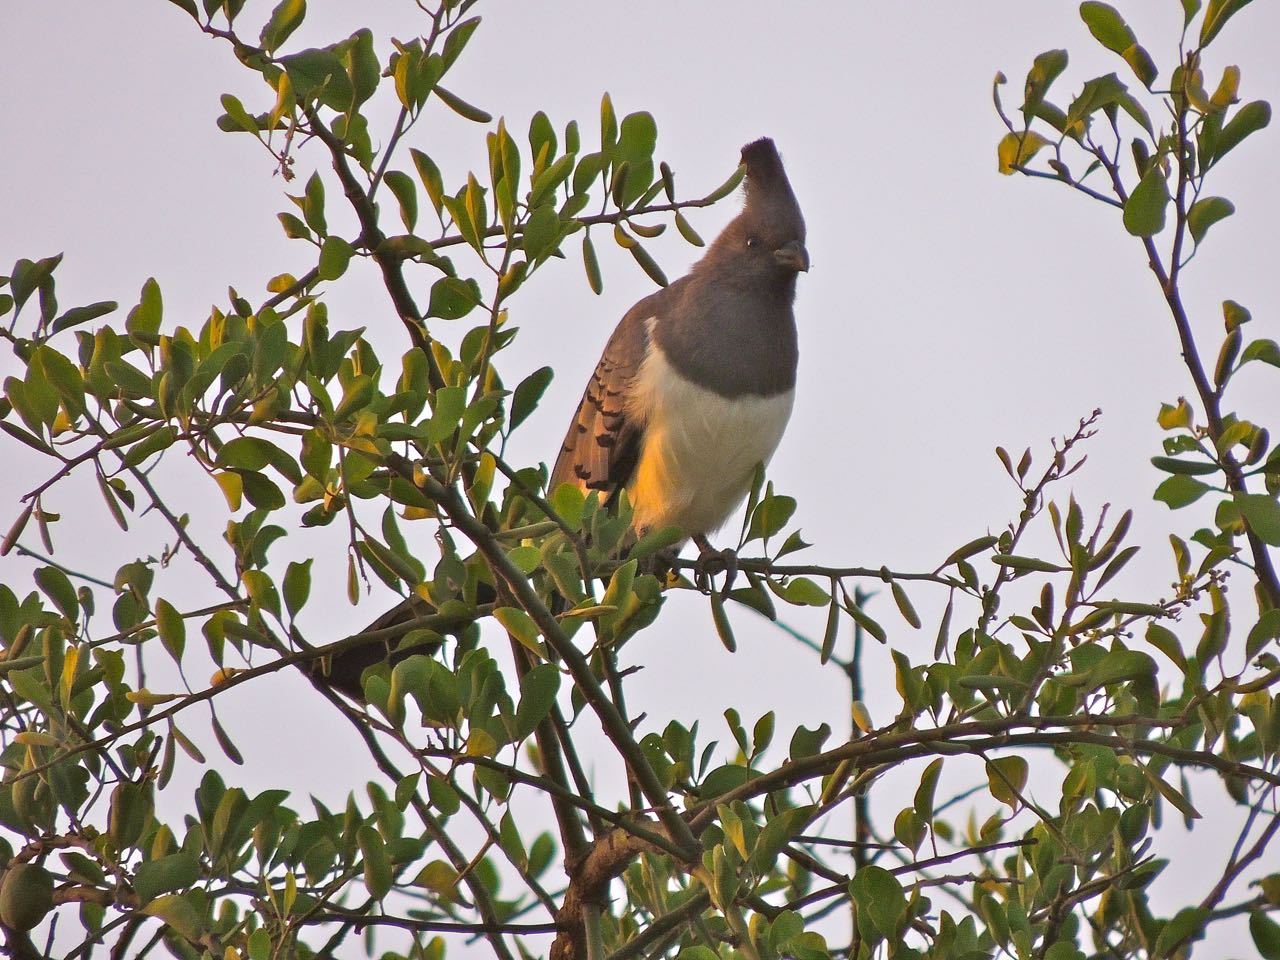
(793, 256)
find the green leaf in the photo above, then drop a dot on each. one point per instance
(1249, 119)
(1144, 69)
(1006, 778)
(647, 264)
(453, 298)
(1262, 513)
(442, 795)
(146, 316)
(55, 585)
(1063, 950)
(1025, 564)
(355, 397)
(969, 549)
(1234, 315)
(132, 807)
(429, 174)
(1268, 351)
(521, 626)
(377, 865)
(864, 620)
(363, 66)
(320, 74)
(830, 633)
(777, 833)
(879, 894)
(726, 188)
(527, 394)
(1196, 468)
(237, 118)
(542, 232)
(259, 944)
(904, 605)
(172, 628)
(807, 743)
(294, 228)
(1121, 666)
(1186, 923)
(1180, 490)
(1097, 93)
(1205, 212)
(770, 515)
(538, 690)
(457, 39)
(461, 107)
(724, 629)
(658, 538)
(78, 315)
(637, 137)
(925, 792)
(335, 254)
(802, 591)
(1107, 26)
(1181, 803)
(1216, 16)
(245, 453)
(285, 19)
(1266, 935)
(297, 585)
(178, 911)
(1144, 211)
(1166, 641)
(592, 265)
(174, 872)
(1046, 68)
(401, 184)
(686, 230)
(189, 6)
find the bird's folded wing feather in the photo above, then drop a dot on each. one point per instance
(603, 443)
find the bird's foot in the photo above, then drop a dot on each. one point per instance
(712, 561)
(664, 564)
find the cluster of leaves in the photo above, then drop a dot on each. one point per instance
(733, 850)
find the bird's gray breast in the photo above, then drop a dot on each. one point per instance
(732, 342)
(700, 448)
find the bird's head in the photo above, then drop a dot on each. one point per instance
(765, 242)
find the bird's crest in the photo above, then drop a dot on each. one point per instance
(768, 191)
(763, 165)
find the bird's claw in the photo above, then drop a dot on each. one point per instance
(712, 561)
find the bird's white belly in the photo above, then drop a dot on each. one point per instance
(700, 449)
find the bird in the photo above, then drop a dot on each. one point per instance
(691, 395)
(696, 385)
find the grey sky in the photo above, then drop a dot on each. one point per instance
(948, 310)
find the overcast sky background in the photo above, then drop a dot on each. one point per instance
(948, 310)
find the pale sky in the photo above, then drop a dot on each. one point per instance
(949, 309)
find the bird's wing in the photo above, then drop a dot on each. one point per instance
(603, 443)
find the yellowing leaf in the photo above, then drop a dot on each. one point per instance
(1016, 150)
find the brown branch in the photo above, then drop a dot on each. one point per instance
(589, 880)
(974, 737)
(438, 622)
(359, 921)
(1209, 397)
(372, 237)
(615, 727)
(662, 926)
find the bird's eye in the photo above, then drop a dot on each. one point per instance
(752, 242)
